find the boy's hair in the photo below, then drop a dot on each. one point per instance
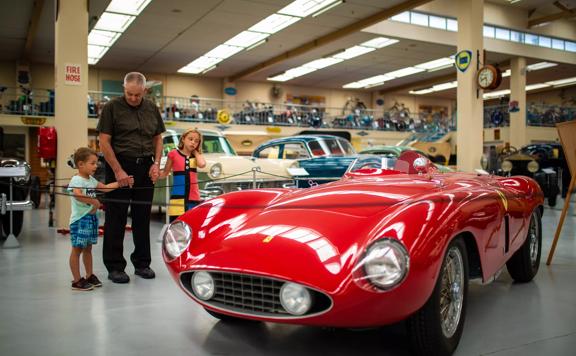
(82, 154)
(188, 132)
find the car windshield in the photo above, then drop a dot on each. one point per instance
(210, 144)
(331, 147)
(371, 164)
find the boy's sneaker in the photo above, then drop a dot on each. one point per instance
(93, 280)
(82, 285)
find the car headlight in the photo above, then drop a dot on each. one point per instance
(176, 239)
(506, 166)
(386, 263)
(203, 285)
(533, 166)
(484, 162)
(216, 170)
(295, 164)
(296, 299)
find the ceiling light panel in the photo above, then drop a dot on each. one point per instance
(379, 42)
(405, 72)
(441, 63)
(536, 86)
(274, 23)
(353, 52)
(281, 78)
(562, 82)
(541, 65)
(102, 38)
(223, 51)
(421, 91)
(299, 71)
(129, 7)
(96, 51)
(246, 39)
(303, 8)
(322, 62)
(114, 22)
(355, 85)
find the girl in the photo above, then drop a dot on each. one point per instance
(183, 162)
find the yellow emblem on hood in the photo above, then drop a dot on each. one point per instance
(504, 199)
(268, 239)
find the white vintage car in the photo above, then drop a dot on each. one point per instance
(225, 171)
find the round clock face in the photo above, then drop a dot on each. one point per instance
(485, 77)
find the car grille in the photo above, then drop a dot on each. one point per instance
(227, 187)
(254, 295)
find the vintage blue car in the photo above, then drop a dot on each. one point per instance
(324, 158)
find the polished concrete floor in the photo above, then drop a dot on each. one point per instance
(40, 315)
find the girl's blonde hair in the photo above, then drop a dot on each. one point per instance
(188, 132)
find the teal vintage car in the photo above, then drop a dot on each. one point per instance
(395, 151)
(225, 171)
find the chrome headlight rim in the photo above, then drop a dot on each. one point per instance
(506, 166)
(173, 248)
(304, 305)
(215, 171)
(533, 166)
(370, 256)
(203, 279)
(25, 178)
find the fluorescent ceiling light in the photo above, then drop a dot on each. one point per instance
(303, 8)
(496, 94)
(541, 65)
(114, 22)
(281, 78)
(506, 73)
(96, 51)
(422, 91)
(353, 52)
(223, 51)
(562, 82)
(405, 71)
(299, 71)
(322, 63)
(378, 79)
(274, 23)
(257, 44)
(93, 60)
(379, 42)
(246, 39)
(354, 85)
(327, 8)
(129, 7)
(536, 86)
(436, 64)
(445, 86)
(102, 38)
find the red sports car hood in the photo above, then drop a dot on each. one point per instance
(311, 236)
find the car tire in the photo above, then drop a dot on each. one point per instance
(430, 332)
(19, 195)
(35, 193)
(226, 318)
(525, 262)
(552, 200)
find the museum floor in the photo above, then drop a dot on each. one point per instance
(40, 315)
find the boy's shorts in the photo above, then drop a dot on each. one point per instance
(84, 232)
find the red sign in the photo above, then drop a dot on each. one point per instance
(72, 74)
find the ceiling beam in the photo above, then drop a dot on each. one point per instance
(566, 13)
(32, 29)
(333, 36)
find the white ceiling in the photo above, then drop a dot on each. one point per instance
(171, 33)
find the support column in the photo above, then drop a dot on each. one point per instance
(71, 85)
(470, 105)
(518, 93)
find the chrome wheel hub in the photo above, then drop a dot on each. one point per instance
(534, 247)
(452, 292)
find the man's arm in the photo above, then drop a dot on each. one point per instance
(106, 147)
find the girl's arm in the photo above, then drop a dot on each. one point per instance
(200, 161)
(167, 168)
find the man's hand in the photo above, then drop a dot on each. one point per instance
(123, 179)
(154, 173)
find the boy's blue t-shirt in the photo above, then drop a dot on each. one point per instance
(88, 187)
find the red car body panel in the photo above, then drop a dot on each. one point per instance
(316, 236)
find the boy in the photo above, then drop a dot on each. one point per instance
(83, 219)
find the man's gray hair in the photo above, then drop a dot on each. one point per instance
(135, 77)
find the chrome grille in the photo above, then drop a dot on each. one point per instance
(251, 293)
(227, 187)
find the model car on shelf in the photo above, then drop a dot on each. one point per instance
(396, 151)
(225, 171)
(544, 162)
(324, 158)
(392, 240)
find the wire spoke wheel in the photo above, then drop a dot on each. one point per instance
(451, 293)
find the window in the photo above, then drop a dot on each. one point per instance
(419, 19)
(403, 17)
(216, 144)
(489, 31)
(438, 22)
(316, 149)
(531, 39)
(570, 46)
(295, 151)
(333, 147)
(516, 36)
(557, 44)
(502, 34)
(347, 147)
(545, 42)
(269, 152)
(452, 25)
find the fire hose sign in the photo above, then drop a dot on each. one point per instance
(72, 74)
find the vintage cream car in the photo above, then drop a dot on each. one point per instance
(225, 171)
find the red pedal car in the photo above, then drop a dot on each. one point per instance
(394, 239)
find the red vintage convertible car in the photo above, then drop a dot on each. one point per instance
(394, 239)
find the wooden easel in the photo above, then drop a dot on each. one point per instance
(567, 134)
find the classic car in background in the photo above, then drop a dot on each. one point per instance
(25, 195)
(392, 240)
(225, 171)
(324, 157)
(395, 151)
(545, 162)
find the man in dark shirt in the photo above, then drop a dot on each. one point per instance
(130, 133)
